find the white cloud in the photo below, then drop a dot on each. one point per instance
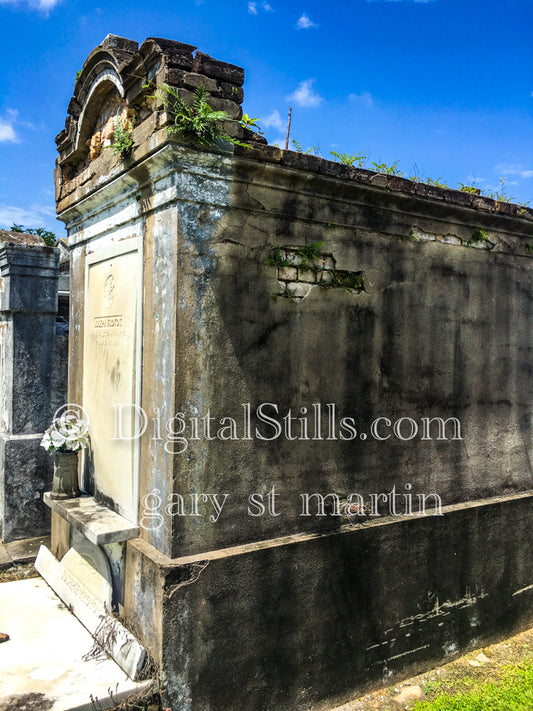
(43, 5)
(7, 129)
(514, 169)
(33, 216)
(305, 95)
(7, 132)
(304, 23)
(253, 9)
(424, 2)
(273, 120)
(10, 125)
(366, 98)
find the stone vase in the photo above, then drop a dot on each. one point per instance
(65, 483)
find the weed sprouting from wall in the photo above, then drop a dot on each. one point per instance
(122, 137)
(478, 238)
(198, 122)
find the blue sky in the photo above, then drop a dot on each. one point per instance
(443, 86)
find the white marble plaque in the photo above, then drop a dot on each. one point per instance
(110, 634)
(109, 374)
(88, 565)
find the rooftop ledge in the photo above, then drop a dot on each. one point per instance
(98, 523)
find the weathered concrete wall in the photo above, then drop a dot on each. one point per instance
(418, 306)
(33, 379)
(440, 330)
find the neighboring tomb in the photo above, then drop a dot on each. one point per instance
(33, 378)
(230, 306)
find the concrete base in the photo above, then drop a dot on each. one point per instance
(44, 663)
(24, 551)
(303, 622)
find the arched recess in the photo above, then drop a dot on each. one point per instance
(105, 98)
(105, 91)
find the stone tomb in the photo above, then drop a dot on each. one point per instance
(32, 380)
(182, 302)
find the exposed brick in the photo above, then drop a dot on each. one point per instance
(292, 257)
(194, 80)
(307, 275)
(176, 54)
(204, 64)
(289, 273)
(450, 239)
(303, 161)
(299, 290)
(74, 109)
(325, 276)
(117, 44)
(422, 236)
(231, 91)
(232, 128)
(233, 110)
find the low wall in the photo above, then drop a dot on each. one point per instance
(309, 622)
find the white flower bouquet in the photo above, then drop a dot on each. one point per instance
(66, 434)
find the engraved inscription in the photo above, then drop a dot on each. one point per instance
(81, 592)
(108, 321)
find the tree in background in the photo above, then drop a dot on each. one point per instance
(49, 237)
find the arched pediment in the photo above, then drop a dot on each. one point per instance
(98, 95)
(116, 88)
